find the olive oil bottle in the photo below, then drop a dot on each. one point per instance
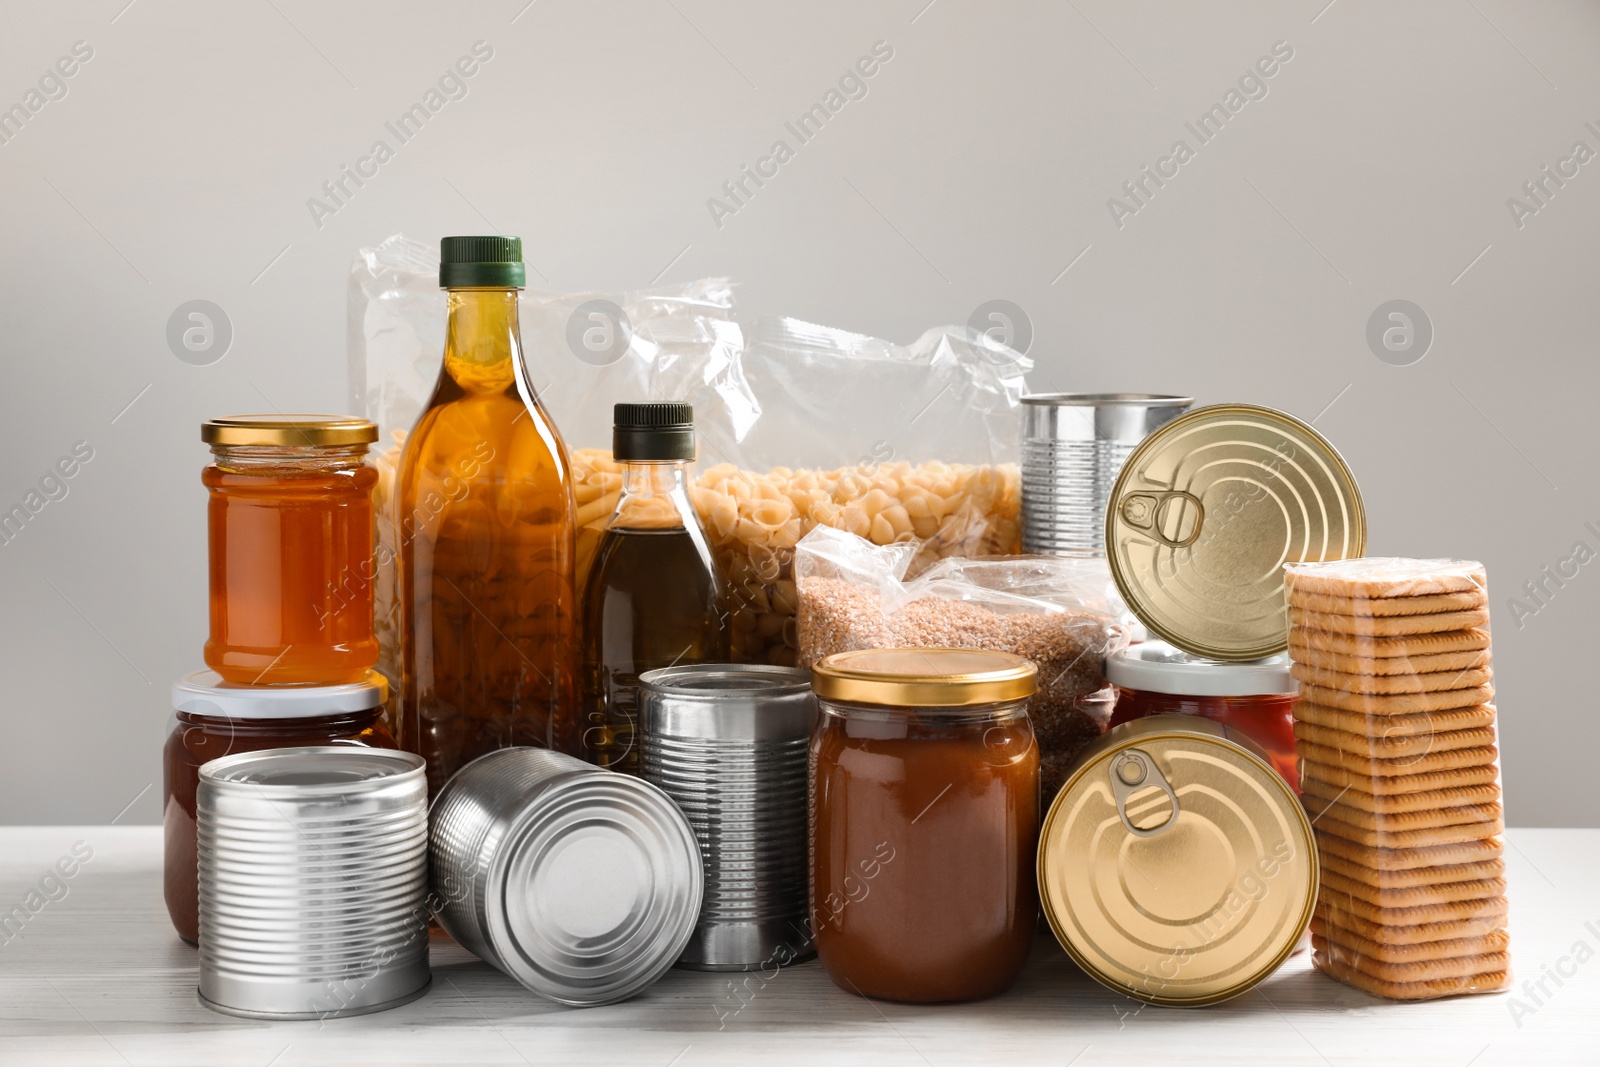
(653, 596)
(487, 537)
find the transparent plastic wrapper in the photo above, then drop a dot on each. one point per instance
(582, 351)
(1061, 613)
(830, 428)
(1399, 769)
(894, 443)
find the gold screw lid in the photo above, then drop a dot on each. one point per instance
(1175, 865)
(1206, 512)
(310, 431)
(924, 677)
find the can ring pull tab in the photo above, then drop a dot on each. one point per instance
(1131, 772)
(1148, 512)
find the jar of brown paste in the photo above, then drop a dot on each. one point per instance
(215, 718)
(924, 818)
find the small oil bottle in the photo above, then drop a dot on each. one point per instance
(653, 597)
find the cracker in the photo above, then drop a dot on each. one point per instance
(1421, 663)
(1387, 625)
(1422, 722)
(1406, 878)
(1432, 682)
(1392, 647)
(1389, 952)
(1396, 803)
(1385, 576)
(1412, 896)
(1421, 935)
(1377, 767)
(1410, 859)
(1380, 607)
(1415, 970)
(1394, 746)
(1397, 784)
(1416, 837)
(1489, 912)
(1419, 990)
(1400, 821)
(1398, 703)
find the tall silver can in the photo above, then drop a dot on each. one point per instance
(312, 882)
(1073, 448)
(728, 743)
(581, 883)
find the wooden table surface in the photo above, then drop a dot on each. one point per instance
(96, 976)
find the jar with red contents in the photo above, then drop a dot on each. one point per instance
(217, 718)
(1254, 697)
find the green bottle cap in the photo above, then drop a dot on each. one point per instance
(481, 263)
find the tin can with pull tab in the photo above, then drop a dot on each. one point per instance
(1208, 509)
(1176, 866)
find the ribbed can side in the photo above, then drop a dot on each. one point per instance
(312, 900)
(746, 802)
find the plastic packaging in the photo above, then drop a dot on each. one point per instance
(1400, 771)
(891, 442)
(1058, 612)
(805, 426)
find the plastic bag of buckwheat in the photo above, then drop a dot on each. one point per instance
(1060, 613)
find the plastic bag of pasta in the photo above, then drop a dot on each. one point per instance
(893, 443)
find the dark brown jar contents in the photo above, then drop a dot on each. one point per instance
(197, 739)
(924, 825)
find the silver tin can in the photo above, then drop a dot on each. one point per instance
(728, 743)
(581, 883)
(1073, 447)
(313, 882)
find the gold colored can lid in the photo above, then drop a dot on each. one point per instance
(1206, 512)
(310, 431)
(1175, 865)
(924, 677)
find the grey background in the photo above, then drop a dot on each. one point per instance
(978, 167)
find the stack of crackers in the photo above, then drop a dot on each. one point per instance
(1398, 771)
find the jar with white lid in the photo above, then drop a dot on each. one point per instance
(217, 718)
(1254, 697)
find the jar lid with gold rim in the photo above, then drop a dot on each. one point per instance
(1175, 865)
(309, 431)
(924, 677)
(1206, 512)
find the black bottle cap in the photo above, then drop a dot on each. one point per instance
(652, 432)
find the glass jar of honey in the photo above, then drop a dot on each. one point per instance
(216, 718)
(1254, 697)
(924, 819)
(291, 549)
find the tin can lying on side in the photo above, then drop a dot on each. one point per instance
(1176, 866)
(728, 743)
(312, 882)
(581, 883)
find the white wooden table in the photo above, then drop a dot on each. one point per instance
(98, 977)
